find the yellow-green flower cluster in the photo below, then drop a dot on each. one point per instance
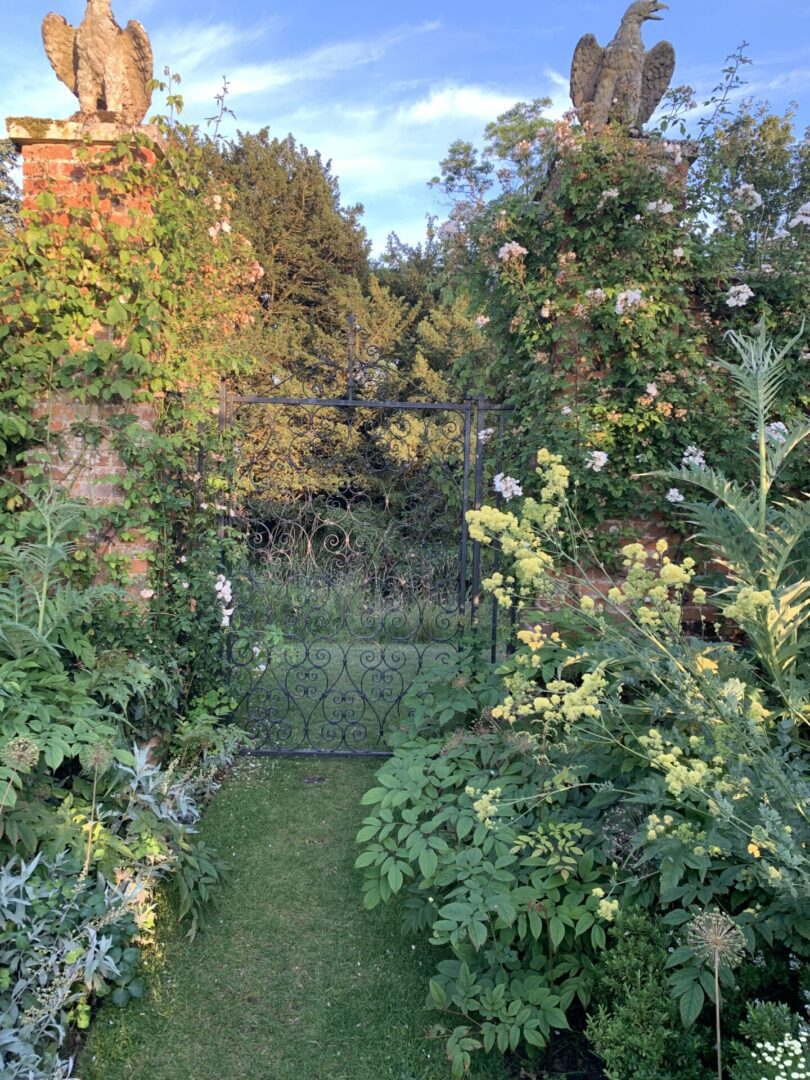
(537, 638)
(502, 588)
(518, 702)
(654, 592)
(560, 705)
(545, 514)
(564, 703)
(607, 909)
(520, 537)
(486, 804)
(656, 826)
(750, 604)
(680, 771)
(488, 523)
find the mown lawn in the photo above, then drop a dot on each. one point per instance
(292, 980)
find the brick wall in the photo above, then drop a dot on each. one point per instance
(54, 160)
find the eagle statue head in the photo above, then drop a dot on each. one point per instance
(644, 11)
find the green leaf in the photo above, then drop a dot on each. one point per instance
(597, 936)
(691, 1004)
(395, 878)
(373, 795)
(556, 931)
(437, 994)
(428, 861)
(116, 313)
(478, 934)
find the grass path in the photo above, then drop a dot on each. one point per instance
(292, 980)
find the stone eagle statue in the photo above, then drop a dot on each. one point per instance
(107, 68)
(622, 83)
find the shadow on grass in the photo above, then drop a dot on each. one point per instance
(292, 980)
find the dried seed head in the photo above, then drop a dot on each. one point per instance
(714, 938)
(97, 757)
(20, 754)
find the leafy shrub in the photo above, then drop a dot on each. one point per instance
(64, 937)
(628, 768)
(633, 1023)
(777, 1044)
(458, 691)
(90, 824)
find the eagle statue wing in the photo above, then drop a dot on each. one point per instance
(585, 70)
(59, 39)
(138, 53)
(659, 67)
(139, 49)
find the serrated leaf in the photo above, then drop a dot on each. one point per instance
(437, 994)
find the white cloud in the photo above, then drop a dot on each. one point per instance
(559, 90)
(191, 46)
(452, 102)
(316, 65)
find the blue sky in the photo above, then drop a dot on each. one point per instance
(382, 90)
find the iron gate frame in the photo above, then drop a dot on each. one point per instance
(474, 412)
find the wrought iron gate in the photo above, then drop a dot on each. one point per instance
(358, 551)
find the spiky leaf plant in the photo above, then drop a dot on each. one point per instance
(758, 531)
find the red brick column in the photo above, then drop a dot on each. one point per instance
(54, 160)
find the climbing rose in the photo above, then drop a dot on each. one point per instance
(512, 250)
(802, 217)
(628, 300)
(739, 295)
(749, 196)
(507, 486)
(597, 459)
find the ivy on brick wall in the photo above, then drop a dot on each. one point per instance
(123, 288)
